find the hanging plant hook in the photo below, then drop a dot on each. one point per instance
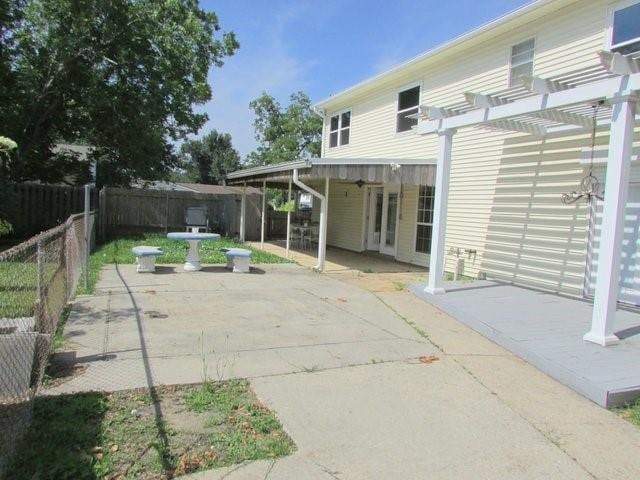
(589, 185)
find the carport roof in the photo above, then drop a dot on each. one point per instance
(373, 170)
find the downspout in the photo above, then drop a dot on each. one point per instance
(323, 218)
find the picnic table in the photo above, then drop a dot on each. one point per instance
(192, 263)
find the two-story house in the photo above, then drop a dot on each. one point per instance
(469, 157)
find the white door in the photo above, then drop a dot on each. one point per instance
(376, 200)
(390, 210)
(630, 255)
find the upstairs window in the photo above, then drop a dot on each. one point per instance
(408, 104)
(625, 31)
(425, 219)
(521, 63)
(340, 129)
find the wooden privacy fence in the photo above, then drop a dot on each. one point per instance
(35, 208)
(141, 210)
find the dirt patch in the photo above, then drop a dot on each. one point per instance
(148, 434)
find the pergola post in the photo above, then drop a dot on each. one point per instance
(288, 219)
(243, 211)
(613, 217)
(264, 211)
(443, 170)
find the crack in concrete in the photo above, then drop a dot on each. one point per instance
(331, 473)
(363, 319)
(411, 324)
(268, 472)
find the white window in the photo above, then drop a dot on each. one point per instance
(521, 63)
(340, 129)
(625, 29)
(425, 219)
(408, 104)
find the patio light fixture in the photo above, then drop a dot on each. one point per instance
(589, 185)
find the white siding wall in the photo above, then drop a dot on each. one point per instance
(505, 188)
(345, 219)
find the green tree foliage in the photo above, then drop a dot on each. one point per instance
(6, 201)
(122, 76)
(285, 134)
(209, 159)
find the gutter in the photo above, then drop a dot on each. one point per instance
(278, 167)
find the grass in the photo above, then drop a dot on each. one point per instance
(19, 285)
(118, 250)
(120, 435)
(631, 413)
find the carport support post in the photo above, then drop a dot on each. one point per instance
(613, 216)
(243, 211)
(289, 218)
(443, 170)
(264, 209)
(322, 237)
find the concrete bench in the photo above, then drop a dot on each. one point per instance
(146, 258)
(237, 259)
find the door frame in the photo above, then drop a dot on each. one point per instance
(370, 221)
(389, 189)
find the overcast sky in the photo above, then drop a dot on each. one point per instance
(323, 46)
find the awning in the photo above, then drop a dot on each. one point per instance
(369, 170)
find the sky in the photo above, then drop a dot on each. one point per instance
(324, 46)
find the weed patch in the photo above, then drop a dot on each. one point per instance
(126, 435)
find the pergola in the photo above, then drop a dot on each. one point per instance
(538, 107)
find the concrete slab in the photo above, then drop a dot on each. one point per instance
(179, 327)
(339, 366)
(410, 421)
(547, 330)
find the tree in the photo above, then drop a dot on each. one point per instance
(209, 159)
(285, 134)
(6, 147)
(122, 76)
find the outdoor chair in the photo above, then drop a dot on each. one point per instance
(196, 218)
(238, 259)
(295, 236)
(146, 258)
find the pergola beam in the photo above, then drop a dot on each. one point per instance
(542, 85)
(516, 126)
(566, 117)
(434, 113)
(488, 101)
(619, 64)
(478, 100)
(607, 89)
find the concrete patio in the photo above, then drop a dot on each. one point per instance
(341, 367)
(547, 330)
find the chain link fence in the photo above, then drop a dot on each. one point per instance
(37, 279)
